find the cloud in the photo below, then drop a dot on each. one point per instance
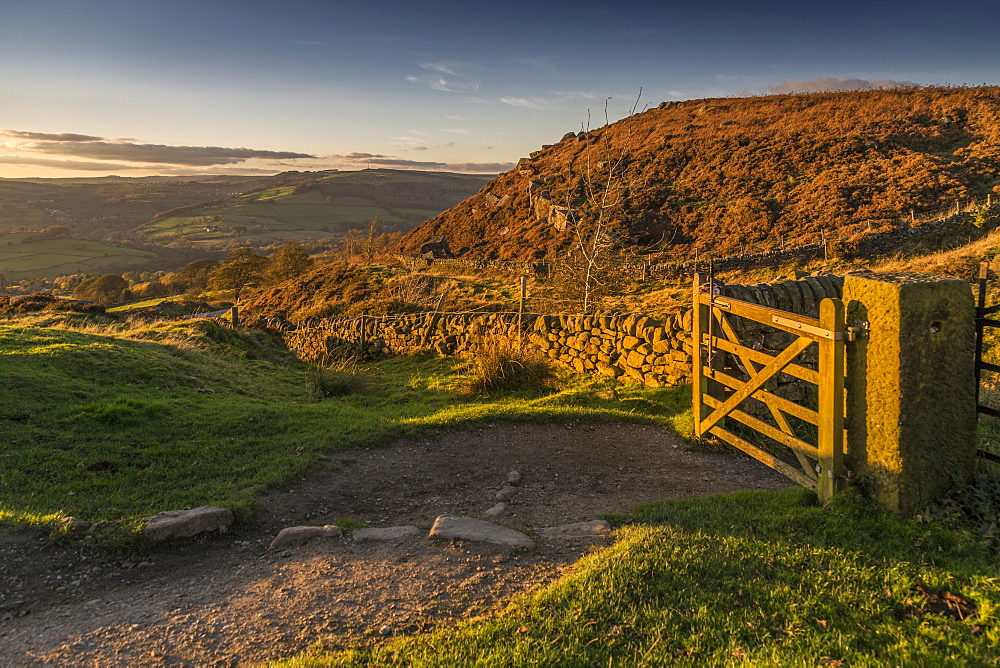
(63, 164)
(458, 131)
(48, 136)
(835, 83)
(443, 67)
(445, 76)
(540, 65)
(528, 102)
(375, 159)
(98, 148)
(575, 94)
(355, 156)
(556, 99)
(435, 82)
(419, 148)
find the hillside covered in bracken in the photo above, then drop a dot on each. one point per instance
(721, 175)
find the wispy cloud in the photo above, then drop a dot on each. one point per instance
(63, 164)
(445, 76)
(358, 158)
(48, 136)
(539, 65)
(90, 147)
(556, 99)
(575, 94)
(835, 83)
(354, 156)
(528, 102)
(441, 67)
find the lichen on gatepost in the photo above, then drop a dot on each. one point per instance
(911, 416)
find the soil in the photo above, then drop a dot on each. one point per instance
(229, 600)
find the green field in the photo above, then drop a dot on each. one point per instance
(24, 258)
(315, 208)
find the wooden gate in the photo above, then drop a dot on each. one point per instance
(985, 318)
(728, 374)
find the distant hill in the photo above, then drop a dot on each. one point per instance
(722, 175)
(310, 205)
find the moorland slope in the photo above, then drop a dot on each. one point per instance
(723, 174)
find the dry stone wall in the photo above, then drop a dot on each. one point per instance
(637, 348)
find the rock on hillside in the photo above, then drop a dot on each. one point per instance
(724, 174)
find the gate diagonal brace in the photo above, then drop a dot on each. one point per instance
(751, 369)
(756, 382)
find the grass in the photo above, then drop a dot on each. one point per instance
(23, 259)
(117, 421)
(751, 578)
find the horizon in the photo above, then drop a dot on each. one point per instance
(134, 89)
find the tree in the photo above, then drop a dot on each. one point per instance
(243, 269)
(107, 289)
(193, 277)
(594, 220)
(370, 234)
(287, 262)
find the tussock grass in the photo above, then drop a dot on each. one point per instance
(499, 364)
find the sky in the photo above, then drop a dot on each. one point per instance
(178, 87)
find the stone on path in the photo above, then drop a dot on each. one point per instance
(514, 478)
(384, 533)
(578, 530)
(298, 535)
(506, 493)
(186, 523)
(478, 531)
(496, 510)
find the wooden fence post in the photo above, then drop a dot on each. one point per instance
(831, 400)
(699, 326)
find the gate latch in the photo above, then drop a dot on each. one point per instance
(858, 330)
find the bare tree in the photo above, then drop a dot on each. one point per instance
(603, 197)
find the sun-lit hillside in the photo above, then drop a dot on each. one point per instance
(725, 174)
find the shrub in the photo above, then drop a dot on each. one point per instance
(500, 365)
(338, 377)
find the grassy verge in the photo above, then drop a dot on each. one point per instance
(752, 578)
(119, 421)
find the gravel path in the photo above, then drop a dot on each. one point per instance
(228, 600)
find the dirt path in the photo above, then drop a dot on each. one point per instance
(227, 600)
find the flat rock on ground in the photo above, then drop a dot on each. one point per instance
(478, 531)
(228, 600)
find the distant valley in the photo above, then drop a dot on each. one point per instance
(52, 227)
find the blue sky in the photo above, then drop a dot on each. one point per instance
(177, 87)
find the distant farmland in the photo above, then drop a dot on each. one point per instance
(315, 207)
(24, 256)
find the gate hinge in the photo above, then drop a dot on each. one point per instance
(858, 330)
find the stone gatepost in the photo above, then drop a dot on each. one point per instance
(911, 403)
